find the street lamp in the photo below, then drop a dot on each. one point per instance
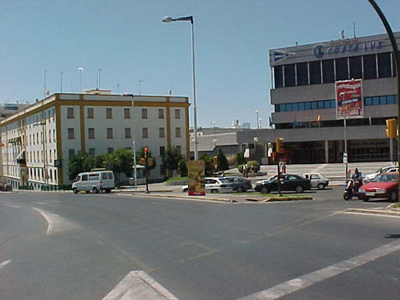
(190, 18)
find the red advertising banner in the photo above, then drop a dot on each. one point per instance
(349, 99)
(196, 185)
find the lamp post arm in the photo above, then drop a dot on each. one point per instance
(396, 55)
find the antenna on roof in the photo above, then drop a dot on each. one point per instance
(341, 33)
(354, 29)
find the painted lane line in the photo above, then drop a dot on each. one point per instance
(4, 263)
(138, 285)
(307, 280)
(56, 223)
(317, 169)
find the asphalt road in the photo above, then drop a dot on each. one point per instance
(65, 246)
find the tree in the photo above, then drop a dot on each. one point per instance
(171, 159)
(208, 163)
(240, 158)
(182, 168)
(81, 162)
(222, 161)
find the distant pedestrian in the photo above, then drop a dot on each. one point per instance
(245, 170)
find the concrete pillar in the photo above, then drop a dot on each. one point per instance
(326, 151)
(241, 147)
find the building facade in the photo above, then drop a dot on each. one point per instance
(39, 141)
(304, 98)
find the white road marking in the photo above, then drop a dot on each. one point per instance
(319, 168)
(56, 223)
(4, 263)
(138, 285)
(307, 280)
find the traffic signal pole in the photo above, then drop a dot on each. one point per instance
(146, 168)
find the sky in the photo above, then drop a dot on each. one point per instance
(137, 52)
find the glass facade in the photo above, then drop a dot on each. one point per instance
(370, 66)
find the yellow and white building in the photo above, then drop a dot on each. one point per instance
(38, 141)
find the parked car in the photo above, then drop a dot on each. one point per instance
(371, 176)
(289, 182)
(239, 184)
(96, 181)
(383, 186)
(317, 180)
(214, 185)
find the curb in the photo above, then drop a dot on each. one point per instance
(186, 197)
(387, 212)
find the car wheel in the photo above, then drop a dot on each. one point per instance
(393, 197)
(185, 190)
(108, 191)
(299, 189)
(240, 189)
(365, 199)
(95, 190)
(264, 190)
(321, 186)
(75, 191)
(214, 191)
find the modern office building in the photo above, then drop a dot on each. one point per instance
(304, 97)
(38, 141)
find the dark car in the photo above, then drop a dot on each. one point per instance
(289, 182)
(383, 186)
(238, 184)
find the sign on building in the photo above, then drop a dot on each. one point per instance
(349, 99)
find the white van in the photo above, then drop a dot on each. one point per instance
(95, 181)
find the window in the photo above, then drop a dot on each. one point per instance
(161, 113)
(368, 101)
(127, 113)
(341, 69)
(327, 71)
(384, 65)
(369, 66)
(70, 112)
(288, 106)
(90, 113)
(109, 133)
(177, 113)
(375, 100)
(144, 113)
(301, 106)
(320, 104)
(295, 106)
(110, 150)
(162, 150)
(71, 134)
(355, 67)
(382, 100)
(314, 105)
(390, 99)
(161, 132)
(92, 151)
(177, 132)
(71, 153)
(85, 177)
(315, 72)
(90, 133)
(307, 106)
(127, 133)
(289, 75)
(302, 74)
(109, 113)
(278, 76)
(179, 148)
(145, 132)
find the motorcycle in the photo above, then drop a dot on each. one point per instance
(351, 189)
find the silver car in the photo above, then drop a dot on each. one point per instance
(317, 180)
(213, 185)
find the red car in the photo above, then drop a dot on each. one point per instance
(383, 186)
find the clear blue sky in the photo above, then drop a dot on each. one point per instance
(129, 42)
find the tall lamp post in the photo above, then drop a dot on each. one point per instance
(257, 111)
(190, 19)
(345, 155)
(396, 56)
(80, 78)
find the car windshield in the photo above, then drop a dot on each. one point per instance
(386, 178)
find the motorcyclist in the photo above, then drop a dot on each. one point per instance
(357, 179)
(356, 175)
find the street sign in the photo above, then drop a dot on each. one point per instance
(57, 163)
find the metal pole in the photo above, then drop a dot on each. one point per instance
(134, 145)
(345, 148)
(196, 154)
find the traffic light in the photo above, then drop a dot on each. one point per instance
(279, 144)
(391, 130)
(146, 151)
